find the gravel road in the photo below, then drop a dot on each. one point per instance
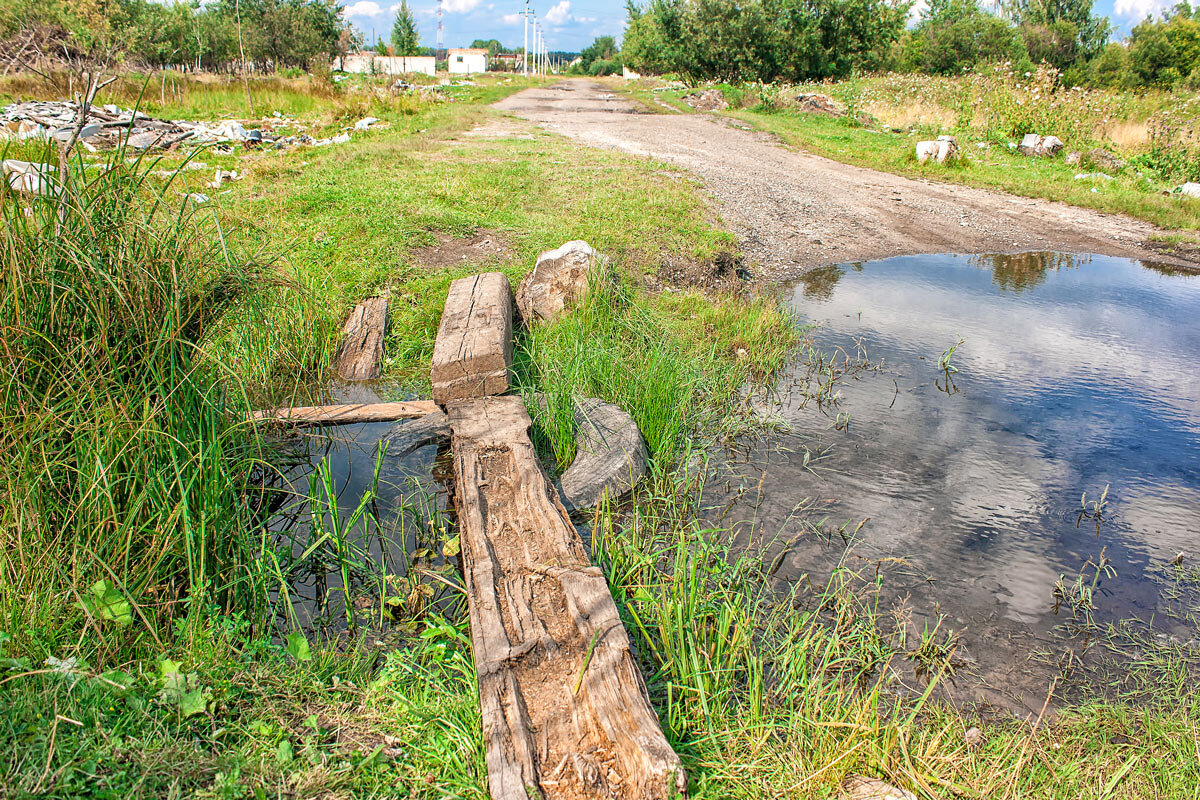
(793, 211)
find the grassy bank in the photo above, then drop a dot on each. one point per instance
(1152, 133)
(138, 653)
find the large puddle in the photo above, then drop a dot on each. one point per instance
(948, 422)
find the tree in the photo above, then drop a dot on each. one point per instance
(493, 46)
(1059, 29)
(405, 39)
(956, 34)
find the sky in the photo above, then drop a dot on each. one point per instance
(571, 25)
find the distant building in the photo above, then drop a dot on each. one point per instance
(465, 60)
(506, 62)
(375, 64)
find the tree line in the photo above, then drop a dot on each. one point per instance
(802, 40)
(273, 33)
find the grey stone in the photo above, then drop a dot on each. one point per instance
(1190, 189)
(610, 456)
(1073, 158)
(1104, 160)
(1033, 144)
(557, 282)
(411, 434)
(857, 787)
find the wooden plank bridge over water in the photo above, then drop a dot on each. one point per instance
(565, 710)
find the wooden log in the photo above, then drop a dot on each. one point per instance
(346, 413)
(361, 351)
(473, 352)
(565, 711)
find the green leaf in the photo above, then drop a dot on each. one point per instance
(452, 547)
(193, 703)
(297, 647)
(284, 752)
(105, 602)
(115, 680)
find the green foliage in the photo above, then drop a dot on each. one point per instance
(762, 40)
(954, 35)
(405, 39)
(279, 33)
(126, 465)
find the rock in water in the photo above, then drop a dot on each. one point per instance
(610, 456)
(558, 281)
(857, 787)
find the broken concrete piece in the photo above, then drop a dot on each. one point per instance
(473, 352)
(1089, 176)
(943, 150)
(857, 787)
(1190, 189)
(610, 456)
(341, 138)
(706, 100)
(223, 175)
(1104, 160)
(365, 123)
(819, 104)
(558, 281)
(29, 178)
(1033, 144)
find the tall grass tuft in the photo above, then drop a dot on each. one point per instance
(124, 463)
(680, 374)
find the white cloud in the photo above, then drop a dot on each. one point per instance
(559, 13)
(512, 19)
(364, 8)
(459, 6)
(1138, 10)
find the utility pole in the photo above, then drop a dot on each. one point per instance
(440, 52)
(525, 52)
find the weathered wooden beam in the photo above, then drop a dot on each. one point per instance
(565, 711)
(473, 352)
(346, 413)
(361, 350)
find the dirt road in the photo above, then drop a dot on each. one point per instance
(793, 211)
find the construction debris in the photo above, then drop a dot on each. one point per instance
(108, 127)
(31, 179)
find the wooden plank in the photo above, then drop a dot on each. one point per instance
(473, 352)
(346, 413)
(361, 351)
(565, 710)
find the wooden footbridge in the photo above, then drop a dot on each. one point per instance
(565, 711)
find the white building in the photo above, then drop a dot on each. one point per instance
(375, 64)
(465, 60)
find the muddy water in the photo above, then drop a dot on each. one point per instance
(1074, 373)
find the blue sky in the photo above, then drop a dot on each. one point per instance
(572, 24)
(568, 24)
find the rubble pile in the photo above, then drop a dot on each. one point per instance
(108, 126)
